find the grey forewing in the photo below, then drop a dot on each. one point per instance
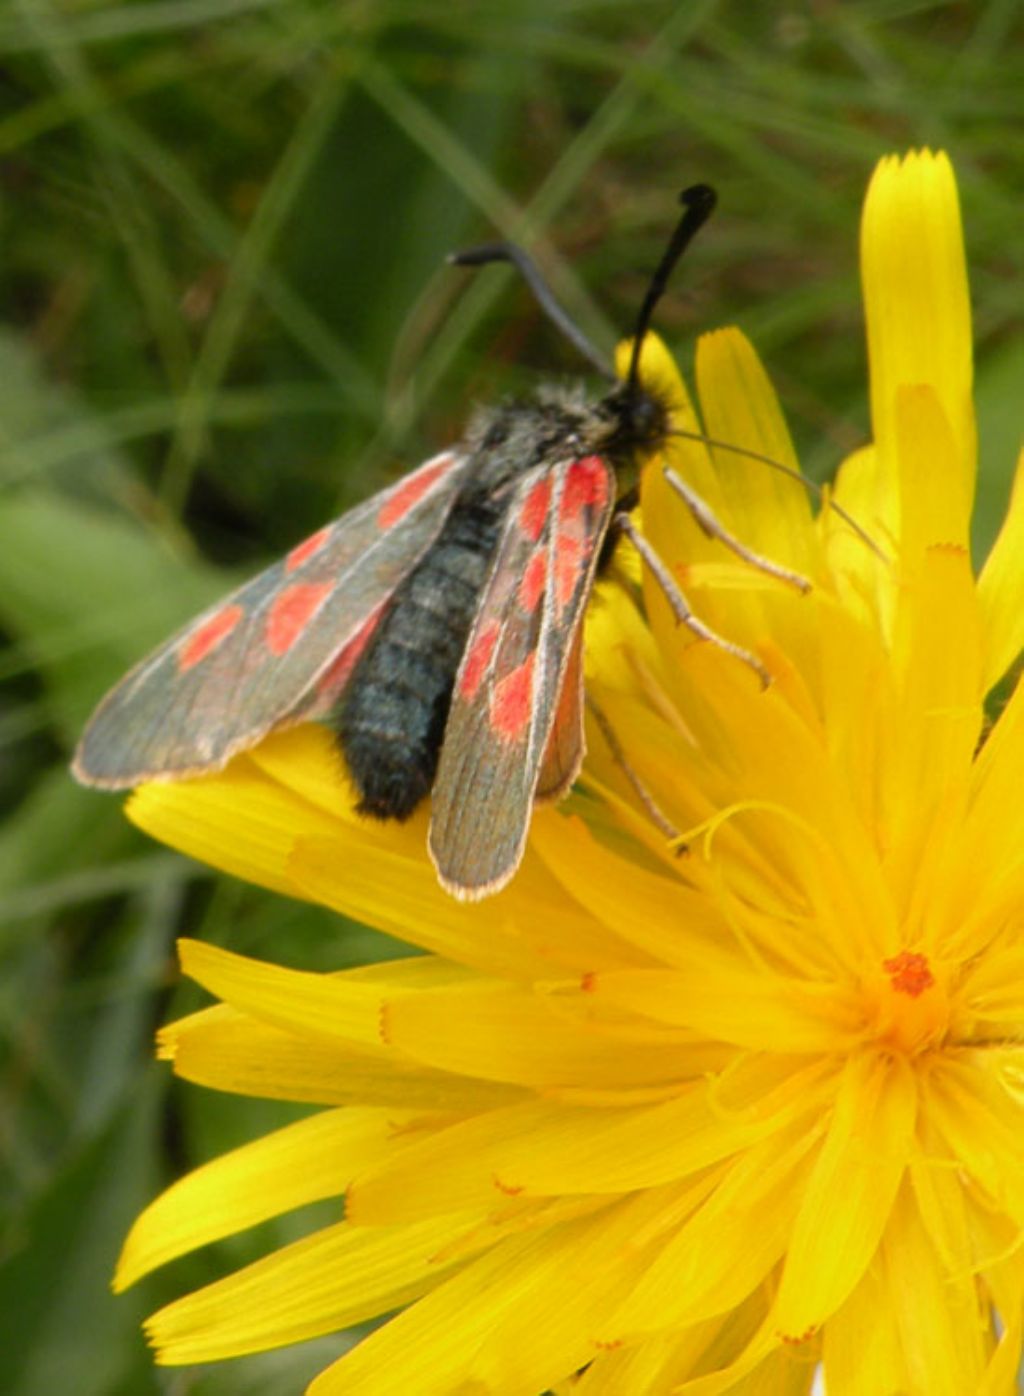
(160, 723)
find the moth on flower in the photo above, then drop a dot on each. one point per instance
(437, 627)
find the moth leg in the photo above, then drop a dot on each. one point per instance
(643, 794)
(623, 524)
(712, 528)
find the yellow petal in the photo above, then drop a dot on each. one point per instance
(718, 1256)
(382, 888)
(917, 307)
(1001, 588)
(990, 836)
(228, 1051)
(504, 1033)
(301, 1163)
(862, 1350)
(731, 1001)
(993, 993)
(236, 821)
(540, 1148)
(327, 1281)
(518, 1319)
(938, 716)
(936, 510)
(317, 1005)
(863, 571)
(944, 1337)
(979, 1123)
(767, 509)
(849, 1195)
(654, 1365)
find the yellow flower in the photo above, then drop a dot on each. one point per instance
(663, 1118)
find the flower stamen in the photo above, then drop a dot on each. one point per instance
(907, 1007)
(909, 973)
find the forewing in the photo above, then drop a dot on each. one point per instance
(520, 654)
(279, 649)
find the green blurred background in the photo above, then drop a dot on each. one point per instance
(226, 318)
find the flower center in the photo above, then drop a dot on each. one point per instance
(907, 1008)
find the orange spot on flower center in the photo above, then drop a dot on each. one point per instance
(908, 1008)
(909, 973)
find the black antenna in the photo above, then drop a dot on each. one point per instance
(699, 202)
(542, 293)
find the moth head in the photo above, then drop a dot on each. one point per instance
(636, 420)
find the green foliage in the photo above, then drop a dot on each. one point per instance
(227, 317)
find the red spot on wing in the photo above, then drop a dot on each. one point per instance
(337, 674)
(531, 587)
(512, 701)
(304, 551)
(586, 487)
(570, 560)
(207, 636)
(534, 509)
(291, 612)
(474, 666)
(409, 492)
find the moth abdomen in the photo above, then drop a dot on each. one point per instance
(391, 719)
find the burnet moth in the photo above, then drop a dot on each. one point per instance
(436, 628)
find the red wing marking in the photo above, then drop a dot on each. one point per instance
(206, 637)
(570, 559)
(531, 588)
(474, 666)
(586, 486)
(291, 612)
(336, 676)
(302, 552)
(533, 512)
(584, 491)
(512, 701)
(404, 496)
